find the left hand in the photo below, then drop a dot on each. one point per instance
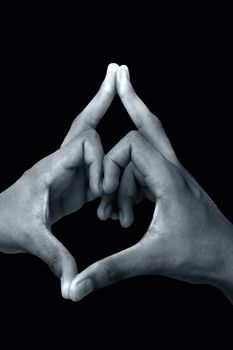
(54, 187)
(84, 184)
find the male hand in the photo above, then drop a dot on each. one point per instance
(188, 238)
(57, 186)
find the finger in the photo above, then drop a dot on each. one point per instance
(92, 114)
(131, 192)
(57, 257)
(125, 264)
(84, 150)
(106, 206)
(93, 157)
(127, 196)
(147, 160)
(146, 122)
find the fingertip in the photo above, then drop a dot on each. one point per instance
(125, 69)
(126, 221)
(101, 213)
(109, 83)
(123, 74)
(73, 287)
(123, 80)
(81, 289)
(104, 211)
(126, 217)
(65, 289)
(112, 67)
(105, 206)
(66, 280)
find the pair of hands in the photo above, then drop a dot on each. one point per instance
(188, 238)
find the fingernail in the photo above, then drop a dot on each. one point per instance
(83, 289)
(65, 290)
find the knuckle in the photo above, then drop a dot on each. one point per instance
(53, 261)
(95, 134)
(106, 88)
(56, 260)
(133, 134)
(109, 272)
(107, 158)
(112, 273)
(87, 134)
(90, 134)
(67, 258)
(82, 121)
(77, 120)
(157, 121)
(36, 178)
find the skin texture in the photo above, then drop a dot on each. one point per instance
(57, 186)
(188, 238)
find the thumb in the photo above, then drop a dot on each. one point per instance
(57, 257)
(108, 271)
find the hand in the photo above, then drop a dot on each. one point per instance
(188, 238)
(119, 204)
(57, 186)
(85, 184)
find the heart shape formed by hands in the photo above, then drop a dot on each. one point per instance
(174, 244)
(187, 236)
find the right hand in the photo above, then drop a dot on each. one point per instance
(188, 238)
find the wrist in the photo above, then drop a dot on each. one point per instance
(224, 275)
(8, 227)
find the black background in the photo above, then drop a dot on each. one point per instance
(53, 62)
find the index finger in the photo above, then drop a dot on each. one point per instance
(146, 159)
(95, 110)
(146, 122)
